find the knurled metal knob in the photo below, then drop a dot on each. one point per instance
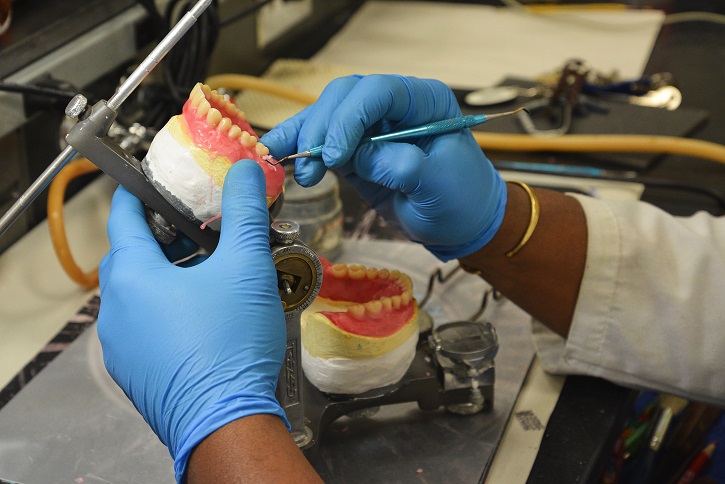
(285, 232)
(76, 106)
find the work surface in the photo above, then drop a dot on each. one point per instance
(91, 431)
(693, 52)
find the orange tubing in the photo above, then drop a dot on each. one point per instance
(603, 143)
(56, 198)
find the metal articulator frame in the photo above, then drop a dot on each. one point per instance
(89, 138)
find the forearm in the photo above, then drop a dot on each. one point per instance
(543, 278)
(252, 449)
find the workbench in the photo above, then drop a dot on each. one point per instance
(588, 412)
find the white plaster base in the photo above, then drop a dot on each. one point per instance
(172, 165)
(350, 377)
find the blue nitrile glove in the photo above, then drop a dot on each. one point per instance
(194, 348)
(441, 191)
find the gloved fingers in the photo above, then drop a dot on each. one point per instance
(127, 228)
(402, 101)
(432, 100)
(370, 100)
(309, 171)
(245, 218)
(397, 166)
(373, 193)
(282, 139)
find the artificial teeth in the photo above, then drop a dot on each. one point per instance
(384, 274)
(374, 308)
(225, 124)
(235, 132)
(339, 270)
(261, 149)
(213, 117)
(372, 273)
(387, 303)
(357, 273)
(203, 108)
(248, 140)
(357, 311)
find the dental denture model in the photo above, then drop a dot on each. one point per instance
(361, 331)
(189, 158)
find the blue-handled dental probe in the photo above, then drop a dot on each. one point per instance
(430, 129)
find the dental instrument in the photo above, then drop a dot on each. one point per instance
(430, 129)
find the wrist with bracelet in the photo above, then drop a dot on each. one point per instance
(535, 210)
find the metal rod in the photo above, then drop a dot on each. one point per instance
(148, 64)
(125, 90)
(35, 189)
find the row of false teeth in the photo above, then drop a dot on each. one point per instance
(358, 272)
(375, 309)
(200, 95)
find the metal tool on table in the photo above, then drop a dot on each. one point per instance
(430, 129)
(559, 107)
(580, 90)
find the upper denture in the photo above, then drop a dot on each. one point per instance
(215, 124)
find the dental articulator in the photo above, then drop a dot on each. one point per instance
(451, 365)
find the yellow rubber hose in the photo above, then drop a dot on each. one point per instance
(56, 198)
(600, 143)
(239, 82)
(604, 143)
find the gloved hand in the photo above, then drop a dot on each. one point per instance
(441, 191)
(194, 348)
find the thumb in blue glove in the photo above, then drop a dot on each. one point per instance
(441, 191)
(194, 348)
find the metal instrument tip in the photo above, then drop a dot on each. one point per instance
(302, 154)
(507, 113)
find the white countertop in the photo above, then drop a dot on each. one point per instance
(38, 298)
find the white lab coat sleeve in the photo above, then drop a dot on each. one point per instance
(651, 307)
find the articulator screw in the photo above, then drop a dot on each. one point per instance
(76, 106)
(285, 232)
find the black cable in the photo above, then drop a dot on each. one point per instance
(246, 12)
(160, 26)
(38, 90)
(185, 65)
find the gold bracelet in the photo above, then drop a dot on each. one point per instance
(535, 209)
